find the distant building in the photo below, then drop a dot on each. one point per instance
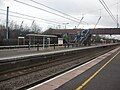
(99, 31)
(60, 32)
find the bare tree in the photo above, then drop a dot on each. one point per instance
(11, 25)
(16, 26)
(26, 28)
(2, 26)
(36, 28)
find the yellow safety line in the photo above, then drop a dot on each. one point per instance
(90, 78)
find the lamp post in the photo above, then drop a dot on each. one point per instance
(117, 15)
(7, 23)
(65, 24)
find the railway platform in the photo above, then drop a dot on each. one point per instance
(22, 53)
(35, 68)
(101, 73)
(8, 53)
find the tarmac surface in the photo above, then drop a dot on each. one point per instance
(25, 51)
(6, 53)
(106, 78)
(80, 77)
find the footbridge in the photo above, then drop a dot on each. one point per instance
(100, 31)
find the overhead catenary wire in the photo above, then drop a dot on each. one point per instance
(46, 11)
(59, 11)
(108, 10)
(54, 9)
(17, 16)
(100, 9)
(80, 22)
(117, 15)
(97, 22)
(21, 17)
(31, 16)
(24, 18)
(104, 8)
(50, 21)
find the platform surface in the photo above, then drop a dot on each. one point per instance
(70, 80)
(21, 53)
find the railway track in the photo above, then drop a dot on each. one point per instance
(28, 76)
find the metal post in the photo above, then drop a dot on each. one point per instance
(43, 42)
(7, 23)
(18, 41)
(37, 46)
(24, 41)
(29, 46)
(54, 45)
(117, 22)
(117, 15)
(29, 39)
(48, 41)
(68, 45)
(34, 39)
(29, 43)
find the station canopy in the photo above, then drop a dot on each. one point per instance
(40, 35)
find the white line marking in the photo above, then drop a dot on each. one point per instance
(70, 71)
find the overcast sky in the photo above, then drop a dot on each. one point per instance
(90, 9)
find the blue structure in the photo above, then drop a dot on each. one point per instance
(83, 37)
